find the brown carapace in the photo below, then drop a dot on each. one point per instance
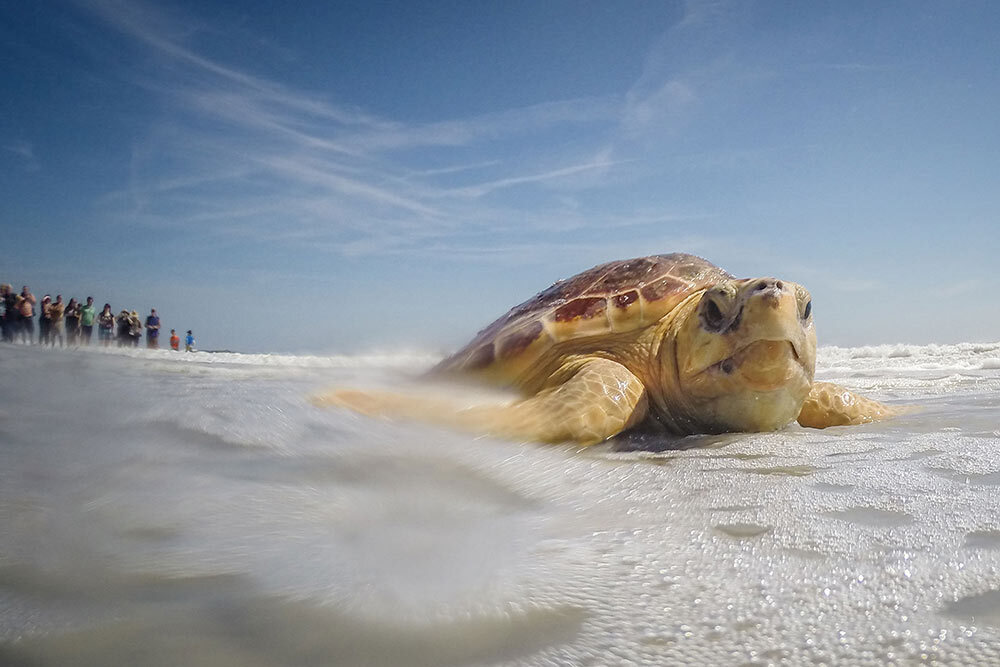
(612, 298)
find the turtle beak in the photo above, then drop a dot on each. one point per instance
(796, 350)
(770, 311)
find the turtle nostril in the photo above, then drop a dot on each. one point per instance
(712, 317)
(768, 283)
(713, 314)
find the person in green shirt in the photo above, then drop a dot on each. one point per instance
(87, 315)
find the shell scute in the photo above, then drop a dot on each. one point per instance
(520, 339)
(585, 307)
(663, 287)
(625, 299)
(631, 273)
(481, 357)
(583, 316)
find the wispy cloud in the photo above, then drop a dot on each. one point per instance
(957, 289)
(24, 152)
(239, 154)
(646, 108)
(506, 125)
(162, 34)
(852, 285)
(861, 68)
(485, 188)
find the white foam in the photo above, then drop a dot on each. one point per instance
(373, 359)
(957, 353)
(896, 357)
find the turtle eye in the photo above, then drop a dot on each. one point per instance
(808, 310)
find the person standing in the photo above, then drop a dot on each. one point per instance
(152, 330)
(106, 325)
(55, 317)
(122, 331)
(189, 342)
(87, 316)
(72, 318)
(134, 329)
(27, 310)
(10, 314)
(43, 320)
(175, 340)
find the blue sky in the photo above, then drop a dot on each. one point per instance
(342, 176)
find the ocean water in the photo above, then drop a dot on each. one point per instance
(194, 509)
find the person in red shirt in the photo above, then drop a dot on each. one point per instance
(175, 340)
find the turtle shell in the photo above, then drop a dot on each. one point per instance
(616, 297)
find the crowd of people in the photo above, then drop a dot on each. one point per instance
(73, 323)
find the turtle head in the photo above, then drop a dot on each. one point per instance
(745, 355)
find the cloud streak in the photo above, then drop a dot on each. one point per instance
(25, 154)
(554, 174)
(240, 154)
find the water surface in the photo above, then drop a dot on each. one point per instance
(167, 509)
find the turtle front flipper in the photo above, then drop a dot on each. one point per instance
(832, 405)
(599, 399)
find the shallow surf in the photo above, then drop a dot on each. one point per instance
(163, 508)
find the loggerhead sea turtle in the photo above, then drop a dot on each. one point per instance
(667, 341)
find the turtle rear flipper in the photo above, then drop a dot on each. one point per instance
(832, 405)
(600, 399)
